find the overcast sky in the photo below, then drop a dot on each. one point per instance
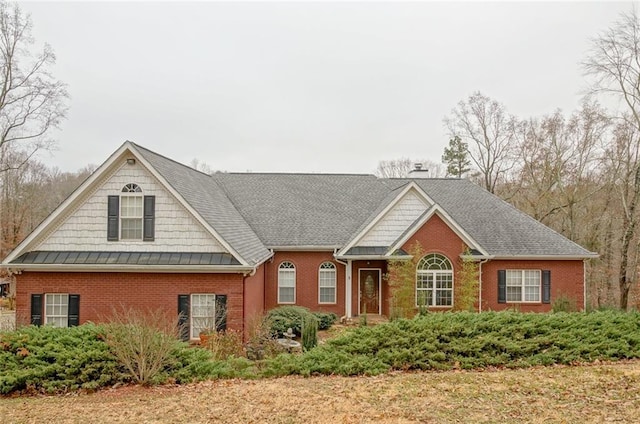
(303, 87)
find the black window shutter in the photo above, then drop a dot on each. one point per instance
(36, 309)
(113, 210)
(546, 286)
(149, 218)
(74, 310)
(502, 286)
(183, 316)
(221, 312)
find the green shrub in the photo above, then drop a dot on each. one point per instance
(325, 319)
(309, 333)
(284, 317)
(471, 340)
(54, 360)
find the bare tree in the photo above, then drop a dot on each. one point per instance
(400, 168)
(32, 101)
(489, 130)
(614, 64)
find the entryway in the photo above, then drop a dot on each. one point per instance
(370, 281)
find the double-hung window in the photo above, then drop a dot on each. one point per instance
(203, 314)
(286, 283)
(523, 285)
(56, 309)
(434, 281)
(131, 213)
(327, 283)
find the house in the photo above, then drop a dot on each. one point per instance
(144, 230)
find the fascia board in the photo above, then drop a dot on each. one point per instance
(308, 248)
(410, 186)
(175, 269)
(68, 202)
(592, 255)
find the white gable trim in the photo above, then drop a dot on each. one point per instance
(437, 210)
(410, 186)
(127, 149)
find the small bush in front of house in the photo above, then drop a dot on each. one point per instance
(55, 360)
(309, 332)
(471, 340)
(284, 317)
(325, 319)
(564, 304)
(224, 344)
(143, 341)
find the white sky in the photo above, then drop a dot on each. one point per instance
(303, 87)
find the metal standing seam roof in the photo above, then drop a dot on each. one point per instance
(43, 257)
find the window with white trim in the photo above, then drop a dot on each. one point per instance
(56, 309)
(523, 285)
(434, 281)
(203, 314)
(131, 212)
(327, 283)
(286, 283)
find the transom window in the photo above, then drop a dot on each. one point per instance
(203, 314)
(56, 309)
(131, 212)
(434, 281)
(327, 283)
(286, 283)
(523, 285)
(131, 188)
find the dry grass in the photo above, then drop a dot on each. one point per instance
(584, 394)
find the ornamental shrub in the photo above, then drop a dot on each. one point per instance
(284, 317)
(325, 319)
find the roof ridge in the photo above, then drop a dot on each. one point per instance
(138, 146)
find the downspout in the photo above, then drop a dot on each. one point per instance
(480, 283)
(584, 285)
(347, 286)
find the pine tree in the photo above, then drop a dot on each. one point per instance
(456, 157)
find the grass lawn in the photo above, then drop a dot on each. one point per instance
(578, 394)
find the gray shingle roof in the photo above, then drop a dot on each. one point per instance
(499, 228)
(208, 199)
(256, 211)
(303, 209)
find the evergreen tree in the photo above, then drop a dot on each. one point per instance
(456, 157)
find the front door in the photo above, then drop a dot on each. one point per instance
(369, 291)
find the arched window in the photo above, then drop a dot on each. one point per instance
(327, 283)
(131, 212)
(286, 283)
(434, 281)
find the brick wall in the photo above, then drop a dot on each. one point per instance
(99, 292)
(307, 266)
(567, 279)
